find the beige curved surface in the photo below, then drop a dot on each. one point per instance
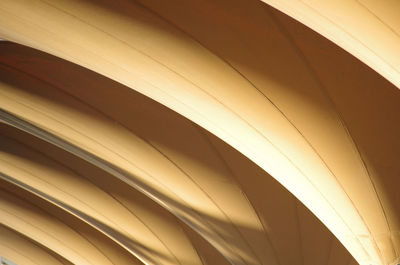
(91, 204)
(201, 155)
(367, 29)
(319, 121)
(24, 251)
(26, 219)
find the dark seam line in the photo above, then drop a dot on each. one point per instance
(291, 162)
(27, 257)
(148, 227)
(54, 186)
(117, 172)
(377, 17)
(373, 184)
(333, 106)
(122, 125)
(103, 147)
(210, 198)
(184, 79)
(236, 70)
(96, 110)
(343, 124)
(53, 118)
(150, 145)
(49, 251)
(220, 156)
(41, 230)
(359, 41)
(58, 204)
(183, 228)
(96, 247)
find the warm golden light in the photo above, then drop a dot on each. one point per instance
(199, 132)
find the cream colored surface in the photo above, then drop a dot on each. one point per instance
(62, 187)
(206, 161)
(317, 120)
(368, 29)
(47, 231)
(24, 251)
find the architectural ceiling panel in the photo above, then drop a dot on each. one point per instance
(198, 132)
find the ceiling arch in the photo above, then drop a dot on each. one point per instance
(349, 24)
(275, 91)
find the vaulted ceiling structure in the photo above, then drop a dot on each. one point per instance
(200, 132)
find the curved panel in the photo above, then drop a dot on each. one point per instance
(221, 172)
(24, 251)
(367, 29)
(30, 221)
(277, 92)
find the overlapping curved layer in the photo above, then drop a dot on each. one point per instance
(368, 29)
(163, 188)
(25, 251)
(209, 186)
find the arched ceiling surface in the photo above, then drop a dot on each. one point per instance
(27, 219)
(22, 250)
(319, 121)
(368, 29)
(215, 169)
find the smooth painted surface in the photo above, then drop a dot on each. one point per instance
(316, 119)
